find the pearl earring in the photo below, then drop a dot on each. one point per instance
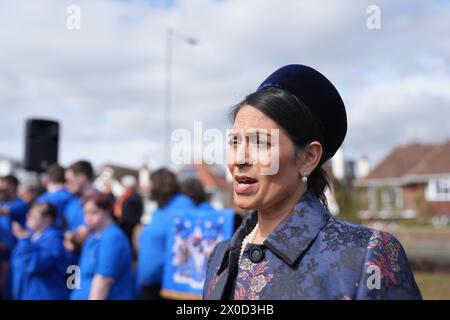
(305, 177)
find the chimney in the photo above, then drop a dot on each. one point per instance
(338, 165)
(362, 167)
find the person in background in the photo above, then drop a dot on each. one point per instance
(105, 259)
(28, 192)
(165, 191)
(56, 193)
(107, 188)
(38, 261)
(128, 208)
(6, 240)
(6, 243)
(10, 203)
(12, 208)
(193, 188)
(79, 182)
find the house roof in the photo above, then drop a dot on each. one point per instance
(413, 159)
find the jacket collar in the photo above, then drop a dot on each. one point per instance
(292, 237)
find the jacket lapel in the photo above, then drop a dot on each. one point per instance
(292, 237)
(227, 271)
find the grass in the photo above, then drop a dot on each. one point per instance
(434, 286)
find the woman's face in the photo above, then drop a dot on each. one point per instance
(254, 148)
(94, 216)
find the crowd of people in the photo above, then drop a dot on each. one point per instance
(74, 224)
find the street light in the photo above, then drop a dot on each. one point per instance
(170, 33)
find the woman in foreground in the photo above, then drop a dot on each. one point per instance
(290, 247)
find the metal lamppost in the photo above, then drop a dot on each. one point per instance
(170, 34)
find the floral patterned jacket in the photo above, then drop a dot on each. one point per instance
(311, 255)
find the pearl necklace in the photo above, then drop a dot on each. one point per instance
(250, 238)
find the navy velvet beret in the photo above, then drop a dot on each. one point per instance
(321, 98)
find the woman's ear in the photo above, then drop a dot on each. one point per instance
(311, 155)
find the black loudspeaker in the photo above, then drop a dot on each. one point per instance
(41, 144)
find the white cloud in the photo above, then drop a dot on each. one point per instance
(416, 108)
(106, 82)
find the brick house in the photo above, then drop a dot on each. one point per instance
(413, 180)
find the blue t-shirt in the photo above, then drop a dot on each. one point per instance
(38, 267)
(73, 213)
(107, 253)
(59, 199)
(153, 239)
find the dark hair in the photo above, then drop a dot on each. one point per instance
(47, 210)
(193, 188)
(11, 180)
(55, 173)
(291, 114)
(82, 167)
(164, 186)
(102, 201)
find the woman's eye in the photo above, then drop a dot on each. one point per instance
(262, 143)
(233, 141)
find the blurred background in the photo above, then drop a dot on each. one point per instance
(118, 76)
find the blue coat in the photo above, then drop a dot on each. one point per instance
(311, 255)
(6, 238)
(38, 267)
(18, 210)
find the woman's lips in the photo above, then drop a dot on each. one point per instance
(244, 185)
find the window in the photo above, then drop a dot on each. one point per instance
(438, 190)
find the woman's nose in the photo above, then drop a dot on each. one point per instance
(242, 155)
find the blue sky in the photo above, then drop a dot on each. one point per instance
(105, 82)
